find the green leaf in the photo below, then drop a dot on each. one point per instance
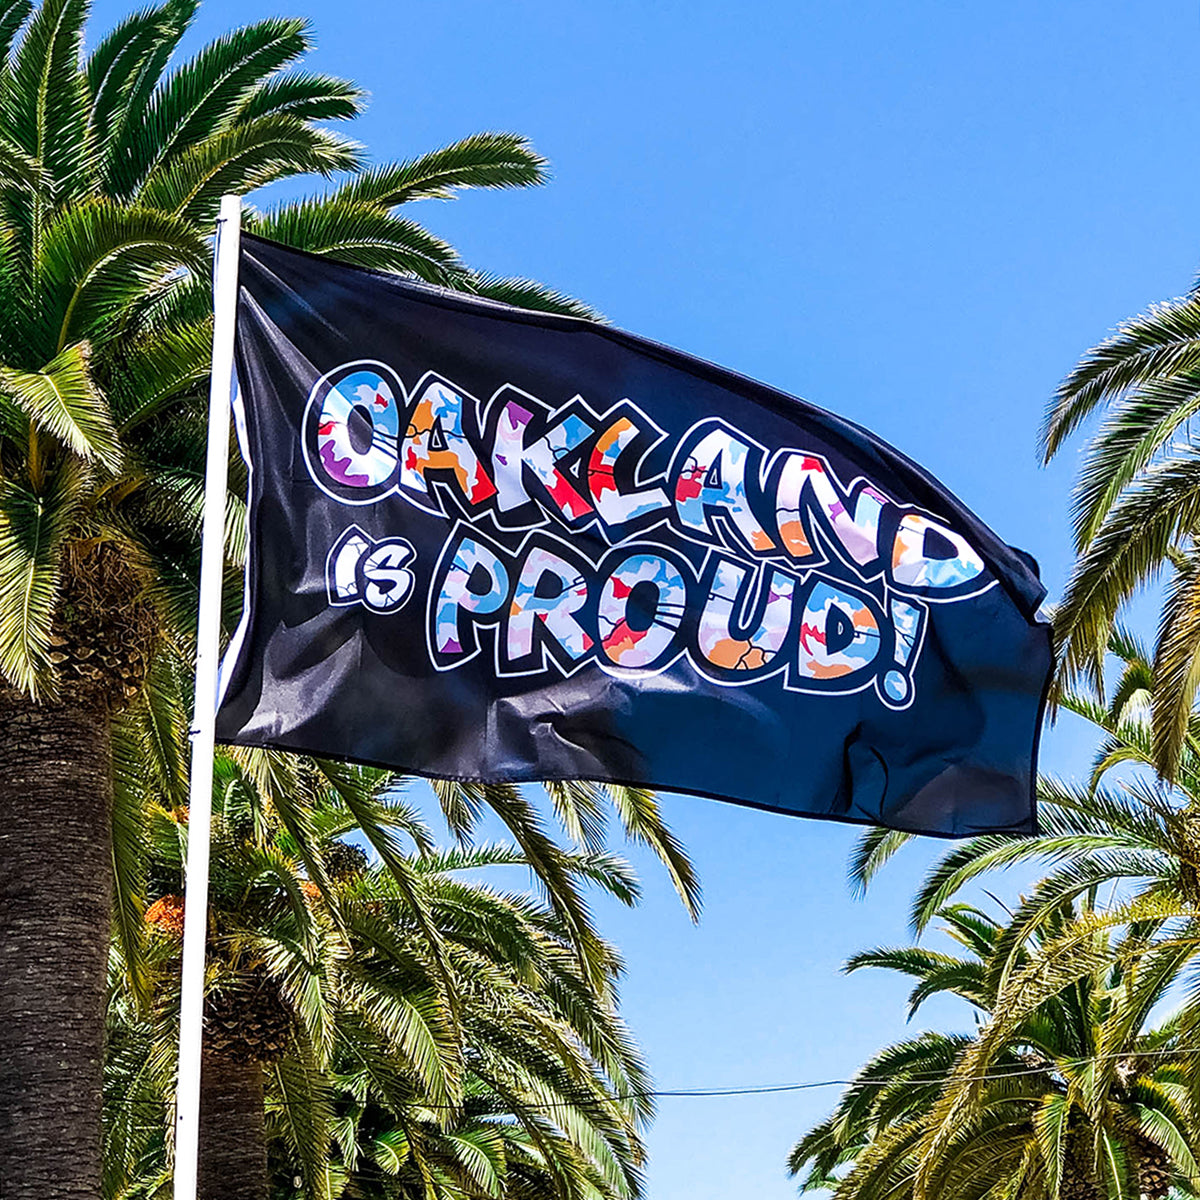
(202, 97)
(582, 808)
(33, 529)
(43, 102)
(875, 847)
(242, 158)
(143, 45)
(415, 1023)
(1167, 1125)
(99, 257)
(390, 1150)
(1133, 434)
(363, 235)
(1160, 343)
(639, 813)
(528, 294)
(13, 14)
(129, 836)
(19, 170)
(124, 67)
(302, 94)
(549, 865)
(184, 491)
(159, 369)
(63, 400)
(305, 1115)
(488, 160)
(1135, 539)
(1176, 665)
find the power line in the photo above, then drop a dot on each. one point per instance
(704, 1093)
(1049, 1067)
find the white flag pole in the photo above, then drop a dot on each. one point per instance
(212, 562)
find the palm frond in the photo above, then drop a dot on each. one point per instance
(302, 94)
(301, 1100)
(13, 14)
(360, 234)
(1050, 1124)
(874, 848)
(117, 64)
(201, 97)
(582, 809)
(20, 170)
(156, 370)
(1162, 342)
(487, 160)
(244, 157)
(43, 100)
(98, 257)
(1137, 536)
(529, 294)
(129, 836)
(551, 871)
(1176, 665)
(62, 400)
(33, 528)
(1133, 433)
(639, 812)
(124, 72)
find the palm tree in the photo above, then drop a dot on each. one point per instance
(1124, 832)
(111, 167)
(308, 803)
(1136, 510)
(149, 758)
(333, 1041)
(553, 1090)
(75, 251)
(1063, 1093)
(900, 1083)
(1123, 828)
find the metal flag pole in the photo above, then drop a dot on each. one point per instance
(208, 631)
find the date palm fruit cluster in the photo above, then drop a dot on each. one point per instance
(166, 915)
(105, 630)
(343, 860)
(246, 1018)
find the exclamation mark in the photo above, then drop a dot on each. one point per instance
(906, 621)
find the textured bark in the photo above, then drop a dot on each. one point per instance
(55, 904)
(233, 1142)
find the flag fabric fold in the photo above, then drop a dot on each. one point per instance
(501, 546)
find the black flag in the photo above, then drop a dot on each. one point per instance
(494, 545)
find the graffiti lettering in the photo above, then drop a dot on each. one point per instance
(643, 606)
(758, 564)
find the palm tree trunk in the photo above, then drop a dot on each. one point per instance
(55, 905)
(233, 1140)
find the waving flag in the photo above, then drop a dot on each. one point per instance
(494, 545)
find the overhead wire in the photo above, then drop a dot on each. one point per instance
(1049, 1067)
(1055, 1066)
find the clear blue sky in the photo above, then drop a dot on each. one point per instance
(915, 214)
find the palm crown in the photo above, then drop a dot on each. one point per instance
(1122, 833)
(112, 173)
(367, 1059)
(1065, 1091)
